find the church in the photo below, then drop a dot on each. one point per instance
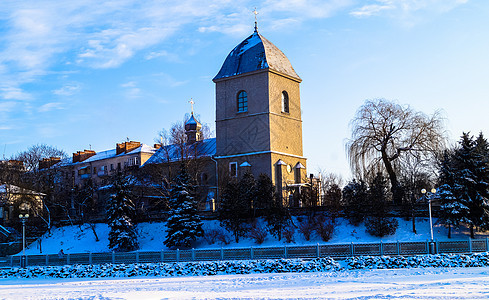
(258, 123)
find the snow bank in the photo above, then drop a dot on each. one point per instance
(82, 239)
(249, 267)
(175, 269)
(419, 261)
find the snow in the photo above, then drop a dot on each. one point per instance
(81, 239)
(428, 283)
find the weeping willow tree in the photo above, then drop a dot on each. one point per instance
(384, 134)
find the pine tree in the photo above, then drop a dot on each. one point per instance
(120, 213)
(452, 211)
(247, 192)
(276, 215)
(355, 198)
(234, 212)
(378, 223)
(184, 224)
(472, 177)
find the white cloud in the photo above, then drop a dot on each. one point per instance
(131, 90)
(50, 106)
(7, 106)
(370, 10)
(14, 93)
(67, 90)
(405, 10)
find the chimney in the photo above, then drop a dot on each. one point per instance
(126, 147)
(80, 156)
(46, 163)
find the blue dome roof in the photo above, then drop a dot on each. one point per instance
(256, 53)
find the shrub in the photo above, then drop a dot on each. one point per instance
(258, 234)
(288, 234)
(306, 228)
(324, 227)
(223, 237)
(381, 226)
(211, 235)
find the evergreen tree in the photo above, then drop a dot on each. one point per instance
(234, 211)
(184, 224)
(333, 196)
(472, 177)
(378, 223)
(276, 215)
(355, 198)
(247, 192)
(120, 213)
(452, 211)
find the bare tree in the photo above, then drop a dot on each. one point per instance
(384, 133)
(36, 153)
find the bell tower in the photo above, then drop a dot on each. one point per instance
(258, 114)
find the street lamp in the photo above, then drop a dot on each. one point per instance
(430, 196)
(24, 207)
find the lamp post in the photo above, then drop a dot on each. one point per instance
(430, 196)
(23, 217)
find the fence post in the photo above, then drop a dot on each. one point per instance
(11, 261)
(178, 255)
(398, 246)
(285, 251)
(193, 254)
(381, 248)
(317, 250)
(113, 257)
(68, 259)
(47, 259)
(137, 256)
(351, 249)
(222, 254)
(487, 244)
(26, 260)
(437, 245)
(251, 252)
(90, 258)
(427, 246)
(162, 256)
(470, 245)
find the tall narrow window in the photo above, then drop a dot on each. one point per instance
(242, 101)
(233, 169)
(285, 102)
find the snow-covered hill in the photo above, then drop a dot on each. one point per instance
(79, 239)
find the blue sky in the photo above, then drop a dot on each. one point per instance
(84, 73)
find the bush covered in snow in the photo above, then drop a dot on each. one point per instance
(175, 269)
(248, 266)
(419, 261)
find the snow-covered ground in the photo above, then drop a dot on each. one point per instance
(79, 239)
(427, 283)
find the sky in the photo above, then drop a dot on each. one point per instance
(87, 74)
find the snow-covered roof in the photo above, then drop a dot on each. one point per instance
(171, 153)
(106, 154)
(13, 189)
(256, 53)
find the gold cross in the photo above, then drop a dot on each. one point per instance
(192, 105)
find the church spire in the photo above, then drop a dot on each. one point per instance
(256, 21)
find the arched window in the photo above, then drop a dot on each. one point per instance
(242, 101)
(285, 102)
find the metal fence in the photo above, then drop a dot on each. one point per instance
(305, 251)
